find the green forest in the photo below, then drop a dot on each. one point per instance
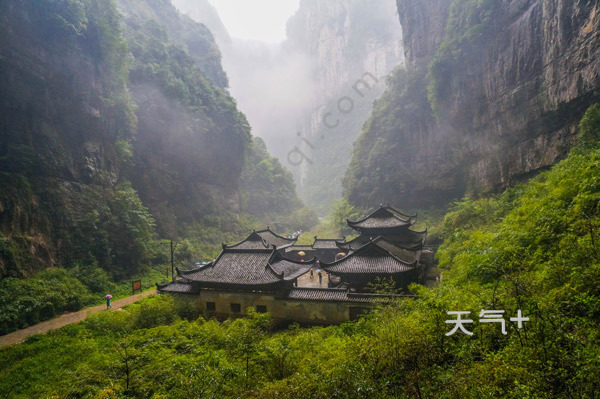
(534, 248)
(124, 153)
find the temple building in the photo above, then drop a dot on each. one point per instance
(270, 272)
(385, 248)
(264, 239)
(377, 259)
(324, 249)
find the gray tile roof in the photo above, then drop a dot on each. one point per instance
(369, 259)
(409, 239)
(247, 268)
(296, 247)
(326, 294)
(326, 243)
(242, 267)
(253, 241)
(405, 255)
(291, 269)
(384, 218)
(178, 287)
(263, 239)
(274, 239)
(355, 243)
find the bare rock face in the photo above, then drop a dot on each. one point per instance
(517, 104)
(423, 25)
(492, 95)
(347, 42)
(510, 84)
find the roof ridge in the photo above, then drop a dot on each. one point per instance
(275, 234)
(254, 234)
(392, 211)
(369, 245)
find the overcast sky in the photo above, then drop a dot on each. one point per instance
(262, 20)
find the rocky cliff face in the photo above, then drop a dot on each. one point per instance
(347, 41)
(204, 12)
(507, 82)
(115, 126)
(63, 109)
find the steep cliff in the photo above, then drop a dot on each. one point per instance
(506, 82)
(115, 128)
(353, 45)
(205, 13)
(65, 115)
(186, 123)
(194, 157)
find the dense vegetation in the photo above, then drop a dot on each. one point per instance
(533, 248)
(115, 132)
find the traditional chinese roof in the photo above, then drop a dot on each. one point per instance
(247, 269)
(372, 258)
(385, 218)
(275, 239)
(326, 294)
(253, 241)
(178, 287)
(263, 239)
(353, 244)
(299, 247)
(326, 243)
(406, 255)
(291, 269)
(408, 239)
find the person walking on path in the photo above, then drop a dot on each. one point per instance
(108, 298)
(320, 277)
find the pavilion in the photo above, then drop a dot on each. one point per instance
(263, 270)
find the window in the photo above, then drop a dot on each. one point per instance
(211, 306)
(261, 308)
(236, 308)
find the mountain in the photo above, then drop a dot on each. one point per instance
(353, 45)
(66, 118)
(204, 12)
(288, 89)
(116, 129)
(491, 95)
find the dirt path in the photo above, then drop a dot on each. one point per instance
(68, 318)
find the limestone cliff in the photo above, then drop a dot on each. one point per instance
(506, 82)
(115, 127)
(348, 41)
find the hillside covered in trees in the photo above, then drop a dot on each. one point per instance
(116, 131)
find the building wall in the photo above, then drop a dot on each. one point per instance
(281, 310)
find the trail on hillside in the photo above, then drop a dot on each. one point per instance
(68, 318)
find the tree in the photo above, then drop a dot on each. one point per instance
(341, 211)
